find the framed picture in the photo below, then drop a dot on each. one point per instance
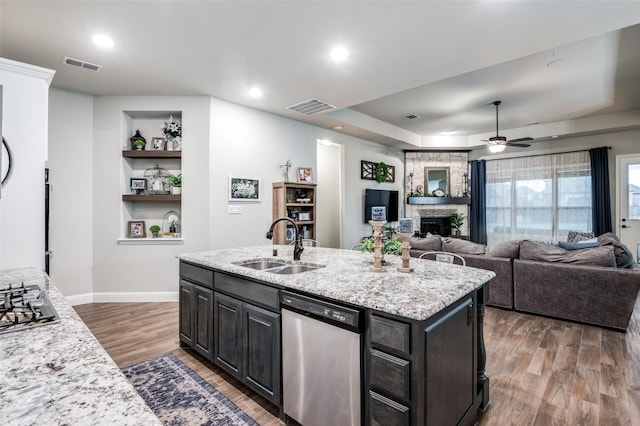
(136, 229)
(304, 216)
(137, 185)
(290, 233)
(305, 174)
(244, 189)
(157, 144)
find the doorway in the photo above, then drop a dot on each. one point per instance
(628, 201)
(329, 194)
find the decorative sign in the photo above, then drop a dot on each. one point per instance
(405, 226)
(380, 172)
(379, 214)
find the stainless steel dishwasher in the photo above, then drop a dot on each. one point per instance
(321, 358)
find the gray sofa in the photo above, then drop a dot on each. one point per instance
(588, 285)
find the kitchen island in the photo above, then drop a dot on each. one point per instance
(422, 349)
(57, 373)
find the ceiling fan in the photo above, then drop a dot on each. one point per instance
(498, 143)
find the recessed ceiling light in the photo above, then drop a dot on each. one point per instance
(255, 92)
(338, 127)
(339, 54)
(102, 41)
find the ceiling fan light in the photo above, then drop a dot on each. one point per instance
(497, 147)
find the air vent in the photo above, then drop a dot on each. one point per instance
(411, 116)
(310, 107)
(82, 64)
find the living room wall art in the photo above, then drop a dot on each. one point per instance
(380, 172)
(244, 189)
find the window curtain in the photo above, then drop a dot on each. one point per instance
(601, 193)
(540, 197)
(477, 212)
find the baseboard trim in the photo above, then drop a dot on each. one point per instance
(124, 297)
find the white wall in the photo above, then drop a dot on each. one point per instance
(121, 271)
(71, 197)
(24, 126)
(329, 195)
(249, 143)
(220, 139)
(356, 150)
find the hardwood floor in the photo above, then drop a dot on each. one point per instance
(542, 371)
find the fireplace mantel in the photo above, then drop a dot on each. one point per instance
(438, 200)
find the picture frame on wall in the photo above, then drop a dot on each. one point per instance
(136, 229)
(157, 144)
(305, 175)
(244, 189)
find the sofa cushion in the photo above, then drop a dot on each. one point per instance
(595, 256)
(624, 257)
(429, 243)
(509, 249)
(575, 236)
(457, 245)
(579, 245)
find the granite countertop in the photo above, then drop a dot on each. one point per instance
(346, 278)
(58, 373)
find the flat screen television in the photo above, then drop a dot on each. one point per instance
(381, 197)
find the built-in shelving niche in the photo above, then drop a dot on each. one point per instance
(148, 208)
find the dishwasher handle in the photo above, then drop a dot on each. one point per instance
(328, 312)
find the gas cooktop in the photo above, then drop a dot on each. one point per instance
(23, 306)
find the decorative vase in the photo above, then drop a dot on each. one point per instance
(174, 143)
(138, 143)
(176, 190)
(155, 234)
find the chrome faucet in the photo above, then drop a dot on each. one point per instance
(297, 248)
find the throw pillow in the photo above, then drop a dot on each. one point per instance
(509, 249)
(457, 245)
(429, 243)
(579, 245)
(575, 236)
(624, 257)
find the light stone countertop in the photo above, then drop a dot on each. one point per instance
(346, 278)
(89, 389)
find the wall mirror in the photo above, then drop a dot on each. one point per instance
(436, 179)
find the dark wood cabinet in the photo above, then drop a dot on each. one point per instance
(450, 366)
(227, 313)
(422, 372)
(196, 318)
(247, 338)
(262, 351)
(185, 313)
(203, 321)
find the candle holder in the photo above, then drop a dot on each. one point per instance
(377, 245)
(404, 237)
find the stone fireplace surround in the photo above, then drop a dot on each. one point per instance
(435, 221)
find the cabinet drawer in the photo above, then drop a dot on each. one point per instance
(196, 274)
(249, 291)
(390, 374)
(389, 333)
(385, 412)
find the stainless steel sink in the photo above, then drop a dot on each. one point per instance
(294, 269)
(278, 266)
(261, 264)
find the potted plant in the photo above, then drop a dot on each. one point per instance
(176, 183)
(457, 220)
(155, 230)
(138, 142)
(389, 246)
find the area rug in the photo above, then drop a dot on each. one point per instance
(178, 396)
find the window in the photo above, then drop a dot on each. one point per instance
(539, 197)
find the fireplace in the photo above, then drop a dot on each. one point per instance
(435, 225)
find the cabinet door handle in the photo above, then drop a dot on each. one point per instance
(469, 314)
